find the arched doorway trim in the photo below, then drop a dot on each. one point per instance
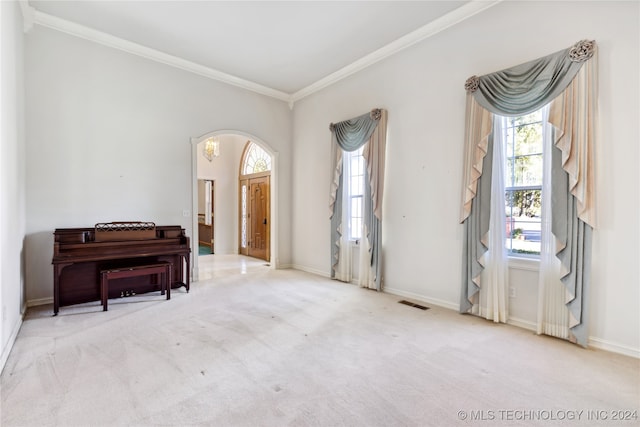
(194, 193)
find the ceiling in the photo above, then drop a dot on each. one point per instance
(284, 47)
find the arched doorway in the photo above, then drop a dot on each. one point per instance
(231, 226)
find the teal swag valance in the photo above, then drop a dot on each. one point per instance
(528, 87)
(566, 81)
(353, 133)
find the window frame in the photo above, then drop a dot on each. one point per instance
(510, 147)
(359, 174)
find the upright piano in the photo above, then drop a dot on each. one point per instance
(80, 254)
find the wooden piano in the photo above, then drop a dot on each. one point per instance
(80, 254)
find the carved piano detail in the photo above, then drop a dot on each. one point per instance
(80, 254)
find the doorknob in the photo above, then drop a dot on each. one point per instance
(265, 221)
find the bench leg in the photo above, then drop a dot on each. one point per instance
(161, 272)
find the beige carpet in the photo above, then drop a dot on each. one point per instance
(251, 346)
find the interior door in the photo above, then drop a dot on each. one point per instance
(205, 215)
(211, 211)
(258, 218)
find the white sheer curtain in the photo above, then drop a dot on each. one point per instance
(553, 315)
(365, 276)
(493, 296)
(344, 270)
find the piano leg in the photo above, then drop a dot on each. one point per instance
(104, 289)
(57, 271)
(188, 273)
(167, 279)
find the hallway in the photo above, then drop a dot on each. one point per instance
(216, 266)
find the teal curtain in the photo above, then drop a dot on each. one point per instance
(476, 228)
(574, 252)
(336, 220)
(513, 92)
(374, 230)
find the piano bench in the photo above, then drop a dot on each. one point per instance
(161, 268)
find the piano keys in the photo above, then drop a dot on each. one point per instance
(80, 254)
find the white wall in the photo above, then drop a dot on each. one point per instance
(422, 88)
(12, 180)
(109, 140)
(224, 171)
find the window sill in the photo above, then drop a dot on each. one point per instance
(524, 263)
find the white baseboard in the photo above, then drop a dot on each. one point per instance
(594, 342)
(601, 344)
(39, 301)
(521, 323)
(6, 351)
(283, 266)
(310, 270)
(422, 298)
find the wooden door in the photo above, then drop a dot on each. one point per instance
(258, 218)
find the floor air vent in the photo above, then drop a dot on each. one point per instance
(413, 304)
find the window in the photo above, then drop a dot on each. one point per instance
(256, 160)
(523, 183)
(243, 215)
(354, 176)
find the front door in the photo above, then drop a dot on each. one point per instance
(258, 218)
(254, 200)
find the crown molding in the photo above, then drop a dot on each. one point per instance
(105, 39)
(452, 18)
(32, 15)
(28, 15)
